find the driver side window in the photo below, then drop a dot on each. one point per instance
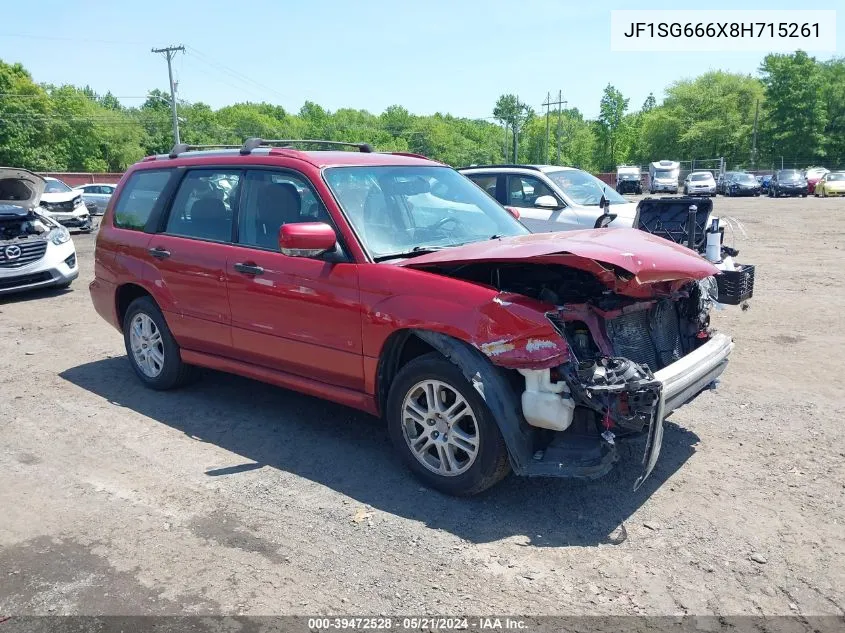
(523, 191)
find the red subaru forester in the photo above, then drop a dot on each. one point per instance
(393, 284)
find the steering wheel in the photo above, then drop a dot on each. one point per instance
(440, 224)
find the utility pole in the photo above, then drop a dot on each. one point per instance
(547, 104)
(169, 54)
(754, 142)
(559, 103)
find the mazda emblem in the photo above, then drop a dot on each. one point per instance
(13, 252)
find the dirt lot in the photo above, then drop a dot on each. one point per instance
(232, 496)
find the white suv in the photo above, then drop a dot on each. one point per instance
(551, 198)
(35, 250)
(65, 205)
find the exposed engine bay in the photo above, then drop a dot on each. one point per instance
(22, 227)
(608, 389)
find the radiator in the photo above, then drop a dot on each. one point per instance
(647, 337)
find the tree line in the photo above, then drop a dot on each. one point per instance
(798, 104)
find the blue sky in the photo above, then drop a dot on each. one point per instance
(454, 56)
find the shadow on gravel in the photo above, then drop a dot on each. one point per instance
(35, 295)
(350, 452)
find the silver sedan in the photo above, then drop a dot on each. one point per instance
(96, 196)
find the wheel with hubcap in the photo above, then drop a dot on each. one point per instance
(443, 429)
(151, 348)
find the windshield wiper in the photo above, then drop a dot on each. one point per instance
(417, 250)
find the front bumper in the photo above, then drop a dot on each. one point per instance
(682, 381)
(79, 218)
(690, 375)
(58, 267)
(708, 191)
(740, 191)
(657, 186)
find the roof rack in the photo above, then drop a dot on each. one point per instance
(254, 143)
(184, 147)
(532, 167)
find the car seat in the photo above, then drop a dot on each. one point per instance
(210, 220)
(278, 203)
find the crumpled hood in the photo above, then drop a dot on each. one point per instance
(625, 260)
(25, 190)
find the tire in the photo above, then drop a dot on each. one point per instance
(171, 371)
(803, 195)
(490, 463)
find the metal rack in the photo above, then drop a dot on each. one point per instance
(254, 143)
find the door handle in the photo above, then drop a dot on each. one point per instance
(248, 268)
(159, 253)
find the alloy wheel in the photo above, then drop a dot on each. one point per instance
(147, 345)
(440, 428)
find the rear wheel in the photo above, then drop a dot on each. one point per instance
(443, 429)
(151, 348)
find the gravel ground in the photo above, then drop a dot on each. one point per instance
(231, 496)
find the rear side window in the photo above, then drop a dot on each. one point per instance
(205, 205)
(138, 198)
(486, 182)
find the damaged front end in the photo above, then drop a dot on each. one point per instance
(626, 341)
(631, 366)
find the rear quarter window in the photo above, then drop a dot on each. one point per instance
(138, 197)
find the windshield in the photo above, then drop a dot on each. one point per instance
(664, 173)
(396, 210)
(701, 177)
(789, 174)
(56, 186)
(582, 188)
(746, 178)
(831, 177)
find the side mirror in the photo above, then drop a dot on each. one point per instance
(513, 211)
(306, 239)
(547, 202)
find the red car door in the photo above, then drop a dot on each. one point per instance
(294, 314)
(190, 259)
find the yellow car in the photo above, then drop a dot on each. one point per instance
(831, 184)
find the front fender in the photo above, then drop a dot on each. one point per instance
(511, 330)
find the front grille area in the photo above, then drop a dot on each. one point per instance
(23, 280)
(30, 252)
(647, 337)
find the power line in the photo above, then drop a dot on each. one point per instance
(207, 59)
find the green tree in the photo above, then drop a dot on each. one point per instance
(25, 114)
(611, 114)
(513, 113)
(795, 107)
(833, 98)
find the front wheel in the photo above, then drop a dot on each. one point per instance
(443, 429)
(151, 348)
